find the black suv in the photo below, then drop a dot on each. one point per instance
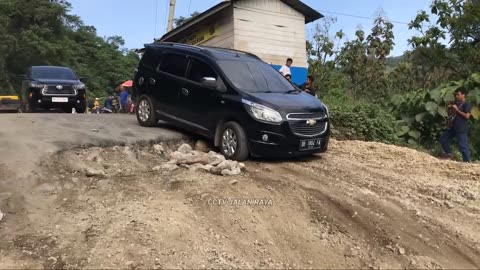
(52, 87)
(233, 98)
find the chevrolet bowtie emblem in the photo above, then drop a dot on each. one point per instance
(311, 122)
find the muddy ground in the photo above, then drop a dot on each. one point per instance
(361, 204)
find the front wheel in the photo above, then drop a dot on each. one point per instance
(233, 143)
(146, 111)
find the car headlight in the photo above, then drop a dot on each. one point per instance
(262, 113)
(36, 85)
(326, 109)
(79, 86)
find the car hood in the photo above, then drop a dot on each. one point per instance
(57, 81)
(288, 102)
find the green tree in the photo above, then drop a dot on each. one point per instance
(181, 20)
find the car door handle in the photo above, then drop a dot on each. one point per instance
(185, 92)
(152, 81)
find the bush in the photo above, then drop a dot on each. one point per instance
(359, 120)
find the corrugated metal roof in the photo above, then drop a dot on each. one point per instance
(309, 13)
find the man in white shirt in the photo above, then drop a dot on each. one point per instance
(285, 69)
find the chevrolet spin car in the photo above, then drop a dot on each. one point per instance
(233, 98)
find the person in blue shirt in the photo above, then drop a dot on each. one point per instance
(459, 113)
(123, 99)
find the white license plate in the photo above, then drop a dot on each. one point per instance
(59, 99)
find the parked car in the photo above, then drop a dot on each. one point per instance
(233, 98)
(9, 103)
(49, 87)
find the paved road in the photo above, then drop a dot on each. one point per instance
(24, 138)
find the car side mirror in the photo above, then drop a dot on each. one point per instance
(209, 82)
(82, 79)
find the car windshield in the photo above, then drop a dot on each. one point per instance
(53, 73)
(255, 77)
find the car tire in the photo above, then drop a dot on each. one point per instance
(29, 108)
(233, 142)
(147, 111)
(81, 109)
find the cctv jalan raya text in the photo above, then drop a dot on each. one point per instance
(241, 202)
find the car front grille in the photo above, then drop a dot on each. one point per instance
(308, 124)
(302, 128)
(66, 90)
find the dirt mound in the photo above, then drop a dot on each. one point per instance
(361, 204)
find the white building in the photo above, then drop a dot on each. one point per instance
(274, 30)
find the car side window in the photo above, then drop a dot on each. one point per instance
(199, 70)
(174, 64)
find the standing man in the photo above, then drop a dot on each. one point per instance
(458, 117)
(308, 86)
(123, 99)
(285, 69)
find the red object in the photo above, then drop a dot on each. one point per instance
(128, 83)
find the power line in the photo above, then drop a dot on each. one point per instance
(189, 5)
(359, 17)
(156, 19)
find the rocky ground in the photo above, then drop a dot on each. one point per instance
(361, 204)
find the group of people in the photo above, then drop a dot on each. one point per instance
(307, 86)
(122, 103)
(458, 114)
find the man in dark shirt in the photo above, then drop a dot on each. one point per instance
(459, 126)
(308, 86)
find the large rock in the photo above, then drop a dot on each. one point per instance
(169, 167)
(94, 173)
(214, 158)
(158, 148)
(190, 158)
(235, 171)
(185, 148)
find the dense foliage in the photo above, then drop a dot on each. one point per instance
(403, 99)
(43, 32)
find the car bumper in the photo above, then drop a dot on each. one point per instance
(282, 142)
(49, 102)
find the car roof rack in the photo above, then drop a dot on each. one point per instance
(174, 44)
(231, 50)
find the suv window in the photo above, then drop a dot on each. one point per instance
(52, 73)
(200, 69)
(149, 59)
(255, 76)
(174, 64)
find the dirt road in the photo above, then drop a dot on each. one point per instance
(361, 204)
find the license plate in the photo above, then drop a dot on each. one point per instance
(59, 99)
(310, 144)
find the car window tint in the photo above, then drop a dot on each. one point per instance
(199, 70)
(174, 64)
(149, 59)
(254, 76)
(53, 73)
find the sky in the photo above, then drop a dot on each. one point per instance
(139, 21)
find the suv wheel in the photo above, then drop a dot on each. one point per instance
(233, 143)
(81, 109)
(146, 111)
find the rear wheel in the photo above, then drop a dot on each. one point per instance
(146, 111)
(233, 143)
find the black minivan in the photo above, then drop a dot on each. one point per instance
(233, 98)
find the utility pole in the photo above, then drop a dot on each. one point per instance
(170, 15)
